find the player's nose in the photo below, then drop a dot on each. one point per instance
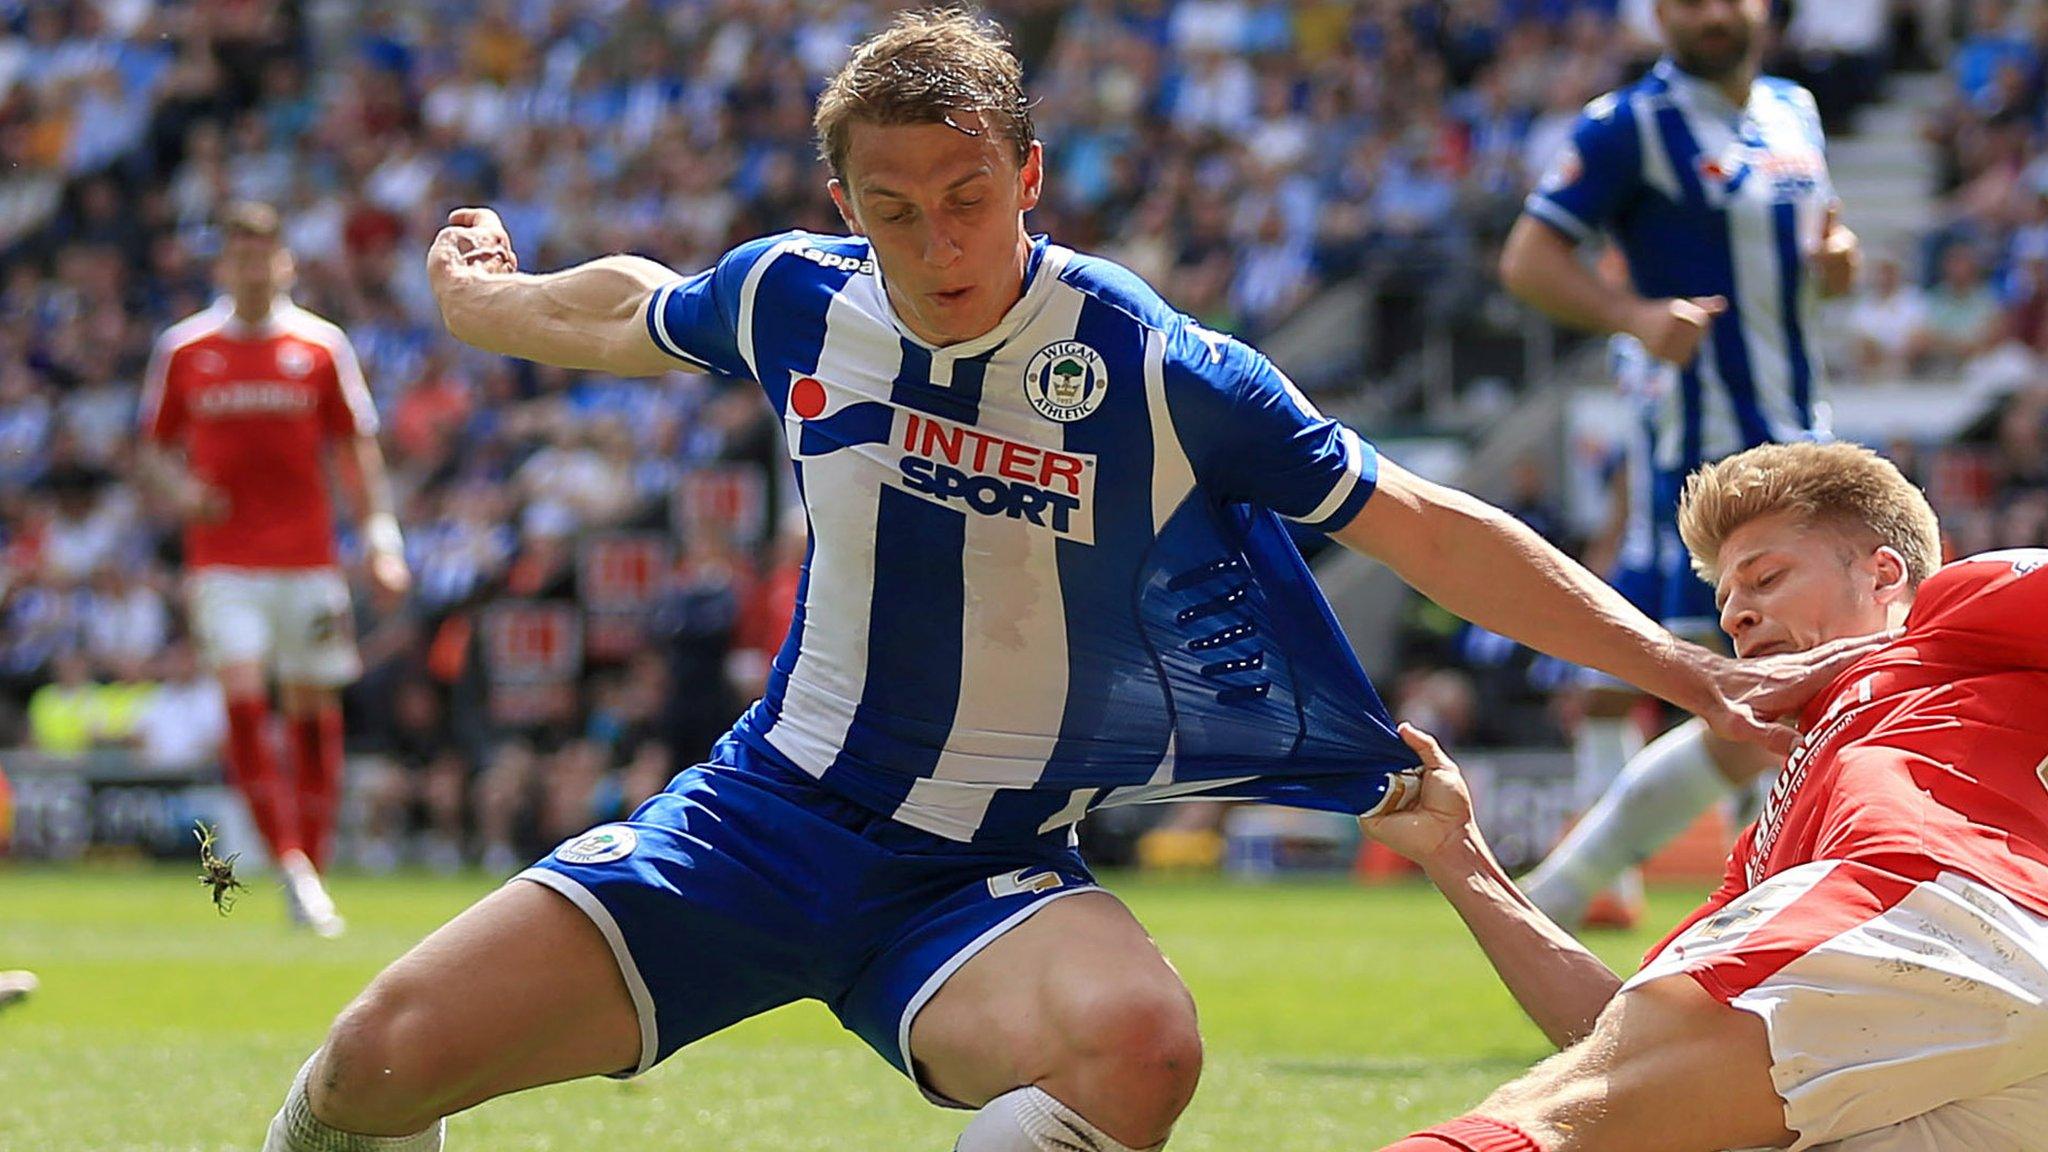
(941, 248)
(1737, 618)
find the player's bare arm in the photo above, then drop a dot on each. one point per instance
(1561, 985)
(592, 316)
(1484, 565)
(1541, 267)
(382, 540)
(165, 475)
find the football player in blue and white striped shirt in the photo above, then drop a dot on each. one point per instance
(1047, 573)
(1712, 180)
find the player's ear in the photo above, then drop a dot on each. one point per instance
(842, 200)
(1889, 573)
(1032, 176)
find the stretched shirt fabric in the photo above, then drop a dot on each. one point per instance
(1046, 572)
(1708, 198)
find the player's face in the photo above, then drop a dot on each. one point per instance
(1788, 585)
(944, 211)
(252, 268)
(1711, 38)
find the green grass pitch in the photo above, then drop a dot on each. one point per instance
(1336, 1017)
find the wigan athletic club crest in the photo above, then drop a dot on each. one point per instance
(599, 846)
(1066, 381)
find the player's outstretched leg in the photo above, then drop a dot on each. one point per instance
(520, 990)
(1667, 1069)
(1070, 1031)
(1663, 789)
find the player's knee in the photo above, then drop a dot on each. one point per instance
(380, 1073)
(1144, 1047)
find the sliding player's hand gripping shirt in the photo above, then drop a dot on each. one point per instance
(1046, 571)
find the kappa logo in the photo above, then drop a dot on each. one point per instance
(957, 465)
(834, 260)
(600, 845)
(1024, 880)
(1066, 381)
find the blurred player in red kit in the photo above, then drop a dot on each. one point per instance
(1871, 975)
(243, 405)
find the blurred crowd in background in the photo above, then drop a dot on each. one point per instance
(604, 567)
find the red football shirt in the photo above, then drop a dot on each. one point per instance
(1931, 754)
(254, 405)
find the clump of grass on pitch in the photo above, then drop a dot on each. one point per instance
(216, 873)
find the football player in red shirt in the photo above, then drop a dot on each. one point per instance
(243, 404)
(1871, 975)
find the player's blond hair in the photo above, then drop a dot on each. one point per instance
(251, 218)
(927, 67)
(1835, 485)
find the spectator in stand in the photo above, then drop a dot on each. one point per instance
(1993, 46)
(1963, 319)
(421, 785)
(1885, 320)
(2026, 292)
(127, 621)
(75, 713)
(184, 723)
(1838, 50)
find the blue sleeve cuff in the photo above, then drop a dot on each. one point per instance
(1353, 488)
(1557, 216)
(657, 326)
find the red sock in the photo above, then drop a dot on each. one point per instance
(252, 770)
(316, 756)
(1468, 1134)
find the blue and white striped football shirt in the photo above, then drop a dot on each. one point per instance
(1045, 571)
(1706, 198)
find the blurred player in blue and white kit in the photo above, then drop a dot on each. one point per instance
(1712, 181)
(1047, 573)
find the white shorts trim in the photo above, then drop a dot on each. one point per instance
(1936, 1004)
(643, 1002)
(944, 972)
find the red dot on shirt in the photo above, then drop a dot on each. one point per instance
(806, 398)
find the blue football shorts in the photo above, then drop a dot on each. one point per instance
(746, 885)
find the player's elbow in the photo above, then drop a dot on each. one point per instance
(1518, 260)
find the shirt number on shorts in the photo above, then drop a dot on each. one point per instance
(1023, 880)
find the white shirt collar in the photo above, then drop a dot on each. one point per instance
(1705, 94)
(237, 328)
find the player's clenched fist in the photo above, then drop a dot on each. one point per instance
(1671, 330)
(474, 240)
(1436, 822)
